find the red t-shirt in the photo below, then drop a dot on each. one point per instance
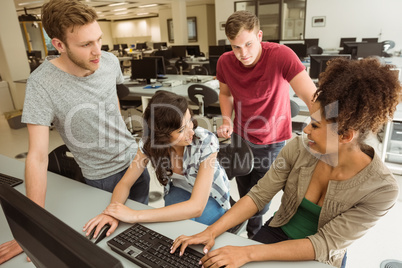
(261, 93)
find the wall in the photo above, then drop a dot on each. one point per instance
(107, 38)
(344, 18)
(135, 31)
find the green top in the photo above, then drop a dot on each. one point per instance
(304, 222)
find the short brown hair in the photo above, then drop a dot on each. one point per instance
(241, 20)
(366, 92)
(59, 15)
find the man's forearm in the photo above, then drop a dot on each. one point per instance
(36, 179)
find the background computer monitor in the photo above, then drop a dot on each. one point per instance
(116, 47)
(105, 47)
(36, 54)
(228, 48)
(159, 45)
(309, 42)
(369, 49)
(141, 46)
(193, 50)
(370, 40)
(160, 62)
(216, 50)
(179, 51)
(213, 61)
(299, 49)
(124, 46)
(318, 63)
(46, 240)
(146, 68)
(347, 39)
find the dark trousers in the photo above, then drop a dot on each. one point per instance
(139, 191)
(264, 155)
(270, 235)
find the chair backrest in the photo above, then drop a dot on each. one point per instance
(171, 69)
(62, 163)
(314, 50)
(294, 108)
(236, 157)
(209, 95)
(122, 91)
(200, 70)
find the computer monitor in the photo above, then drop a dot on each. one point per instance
(36, 54)
(351, 48)
(347, 39)
(141, 46)
(318, 63)
(311, 42)
(53, 52)
(299, 49)
(216, 50)
(105, 47)
(167, 54)
(213, 61)
(369, 49)
(46, 240)
(160, 61)
(228, 48)
(116, 47)
(124, 46)
(370, 40)
(146, 68)
(193, 50)
(179, 51)
(159, 45)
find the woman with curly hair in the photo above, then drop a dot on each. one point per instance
(335, 187)
(184, 158)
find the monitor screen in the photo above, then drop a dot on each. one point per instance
(37, 54)
(124, 46)
(216, 50)
(105, 47)
(318, 63)
(146, 68)
(193, 50)
(141, 46)
(369, 49)
(46, 240)
(299, 49)
(370, 40)
(116, 47)
(311, 42)
(347, 39)
(213, 61)
(160, 61)
(228, 48)
(351, 48)
(159, 45)
(179, 51)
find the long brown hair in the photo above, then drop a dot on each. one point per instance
(163, 115)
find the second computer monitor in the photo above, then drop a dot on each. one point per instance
(299, 49)
(141, 46)
(318, 63)
(160, 62)
(146, 68)
(193, 50)
(159, 45)
(179, 51)
(369, 49)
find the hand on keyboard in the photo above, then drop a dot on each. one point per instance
(205, 237)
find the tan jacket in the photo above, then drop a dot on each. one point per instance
(350, 207)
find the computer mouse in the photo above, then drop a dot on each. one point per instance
(101, 235)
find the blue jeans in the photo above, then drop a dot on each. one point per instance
(264, 156)
(212, 211)
(139, 191)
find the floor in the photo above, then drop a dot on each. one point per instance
(384, 241)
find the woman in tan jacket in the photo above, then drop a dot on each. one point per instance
(335, 186)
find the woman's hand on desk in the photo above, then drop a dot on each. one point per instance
(98, 222)
(121, 212)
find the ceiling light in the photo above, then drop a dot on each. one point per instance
(140, 14)
(98, 12)
(117, 4)
(121, 13)
(150, 5)
(120, 9)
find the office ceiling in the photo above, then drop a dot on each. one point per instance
(111, 9)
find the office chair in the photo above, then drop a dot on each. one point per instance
(199, 70)
(237, 159)
(387, 45)
(126, 104)
(182, 66)
(204, 96)
(297, 127)
(314, 50)
(391, 264)
(63, 163)
(170, 69)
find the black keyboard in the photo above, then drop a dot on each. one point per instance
(9, 180)
(148, 248)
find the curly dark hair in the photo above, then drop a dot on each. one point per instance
(163, 115)
(366, 93)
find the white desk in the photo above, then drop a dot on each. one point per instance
(75, 203)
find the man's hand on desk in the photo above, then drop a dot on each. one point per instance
(98, 222)
(9, 250)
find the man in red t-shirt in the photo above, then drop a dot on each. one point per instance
(254, 82)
